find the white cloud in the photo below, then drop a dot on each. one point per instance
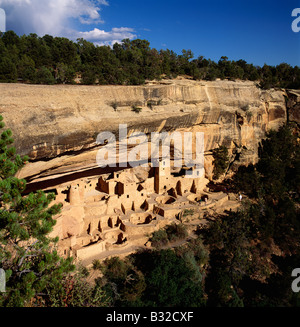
(111, 37)
(57, 17)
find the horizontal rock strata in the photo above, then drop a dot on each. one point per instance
(57, 126)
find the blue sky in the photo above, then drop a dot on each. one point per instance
(256, 31)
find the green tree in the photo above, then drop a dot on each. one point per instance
(247, 180)
(26, 69)
(76, 291)
(220, 161)
(65, 73)
(170, 282)
(123, 281)
(27, 253)
(37, 49)
(88, 76)
(63, 51)
(44, 76)
(8, 70)
(10, 38)
(132, 62)
(279, 156)
(242, 244)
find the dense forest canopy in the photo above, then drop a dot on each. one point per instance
(58, 60)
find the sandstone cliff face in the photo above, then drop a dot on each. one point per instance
(293, 106)
(57, 126)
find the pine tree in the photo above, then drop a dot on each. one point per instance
(220, 161)
(8, 70)
(27, 253)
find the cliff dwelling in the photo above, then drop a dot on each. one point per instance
(110, 214)
(113, 211)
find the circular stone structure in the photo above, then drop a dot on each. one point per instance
(141, 218)
(197, 198)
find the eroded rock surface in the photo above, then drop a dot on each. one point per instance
(57, 126)
(293, 105)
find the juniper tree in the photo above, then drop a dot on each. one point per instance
(220, 161)
(27, 253)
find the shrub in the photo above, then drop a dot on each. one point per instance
(76, 291)
(159, 238)
(96, 264)
(188, 212)
(170, 233)
(176, 232)
(114, 105)
(150, 104)
(136, 109)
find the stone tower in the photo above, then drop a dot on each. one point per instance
(75, 195)
(162, 177)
